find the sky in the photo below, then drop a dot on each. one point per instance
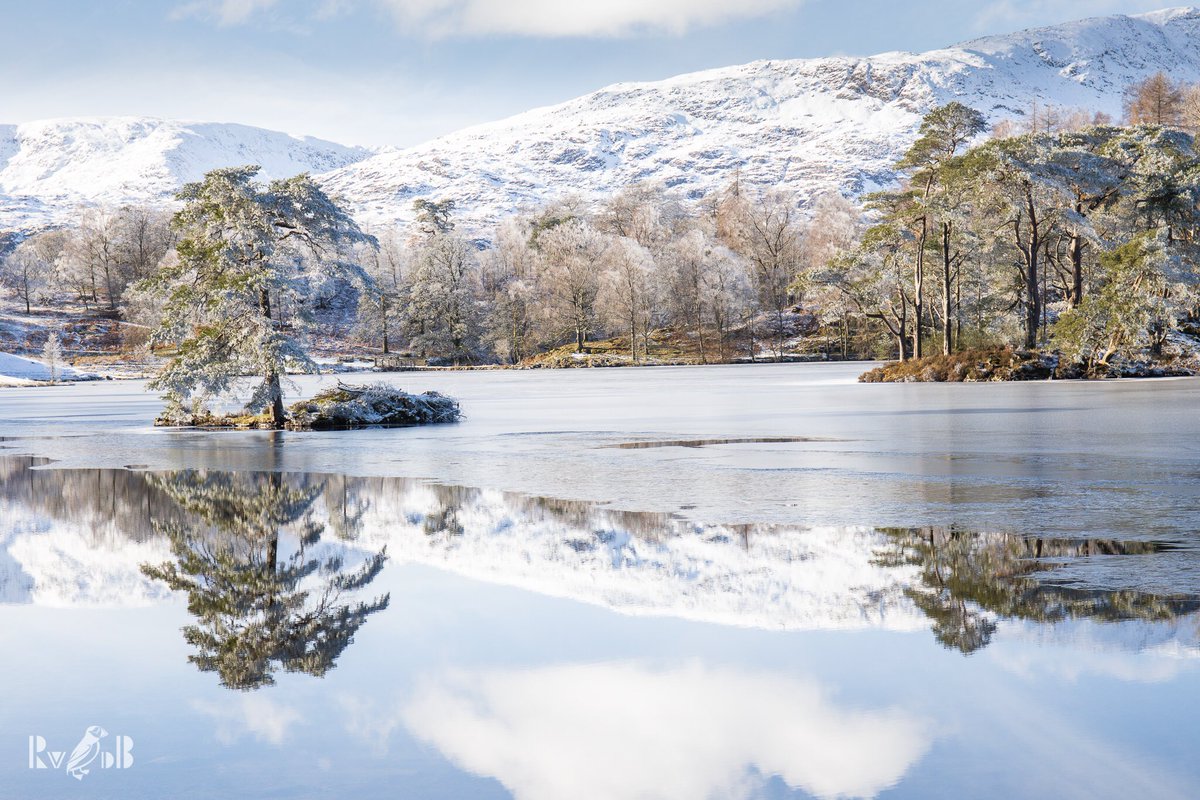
(399, 72)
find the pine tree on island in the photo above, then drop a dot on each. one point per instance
(246, 249)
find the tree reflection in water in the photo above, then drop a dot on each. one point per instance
(968, 580)
(257, 609)
(272, 586)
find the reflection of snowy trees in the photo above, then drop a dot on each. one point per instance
(257, 609)
(260, 559)
(112, 504)
(969, 579)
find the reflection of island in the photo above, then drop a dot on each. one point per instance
(969, 580)
(256, 554)
(256, 608)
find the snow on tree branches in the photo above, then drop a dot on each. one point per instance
(246, 251)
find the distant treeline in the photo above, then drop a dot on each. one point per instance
(1064, 230)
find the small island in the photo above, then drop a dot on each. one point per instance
(341, 408)
(1008, 364)
(241, 251)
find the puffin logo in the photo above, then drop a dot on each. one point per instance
(92, 751)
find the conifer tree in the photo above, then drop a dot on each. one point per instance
(246, 250)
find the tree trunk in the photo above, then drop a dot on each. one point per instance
(845, 336)
(108, 287)
(1033, 311)
(384, 322)
(274, 389)
(1030, 250)
(1076, 250)
(633, 337)
(779, 332)
(919, 277)
(947, 299)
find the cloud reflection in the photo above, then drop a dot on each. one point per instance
(629, 731)
(250, 715)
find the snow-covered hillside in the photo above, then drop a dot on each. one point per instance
(47, 168)
(811, 125)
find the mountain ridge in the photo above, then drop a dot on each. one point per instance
(834, 123)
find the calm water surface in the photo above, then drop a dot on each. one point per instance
(722, 582)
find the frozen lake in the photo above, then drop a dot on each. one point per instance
(737, 581)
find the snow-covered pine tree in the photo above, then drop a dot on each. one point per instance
(52, 356)
(244, 251)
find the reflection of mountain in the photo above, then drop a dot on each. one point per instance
(74, 538)
(752, 575)
(775, 577)
(678, 733)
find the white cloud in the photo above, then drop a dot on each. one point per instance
(535, 18)
(225, 12)
(1010, 14)
(578, 18)
(626, 731)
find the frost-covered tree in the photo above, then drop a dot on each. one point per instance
(727, 294)
(570, 254)
(106, 250)
(1021, 197)
(381, 302)
(89, 262)
(27, 271)
(628, 291)
(767, 232)
(513, 288)
(687, 259)
(52, 356)
(1117, 318)
(434, 216)
(1191, 109)
(642, 213)
(244, 251)
(872, 278)
(706, 287)
(832, 231)
(442, 314)
(144, 236)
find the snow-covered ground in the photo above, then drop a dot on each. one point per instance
(24, 371)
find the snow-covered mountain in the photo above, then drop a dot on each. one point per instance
(810, 125)
(48, 168)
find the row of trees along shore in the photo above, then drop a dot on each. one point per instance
(1062, 230)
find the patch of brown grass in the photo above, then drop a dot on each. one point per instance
(991, 364)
